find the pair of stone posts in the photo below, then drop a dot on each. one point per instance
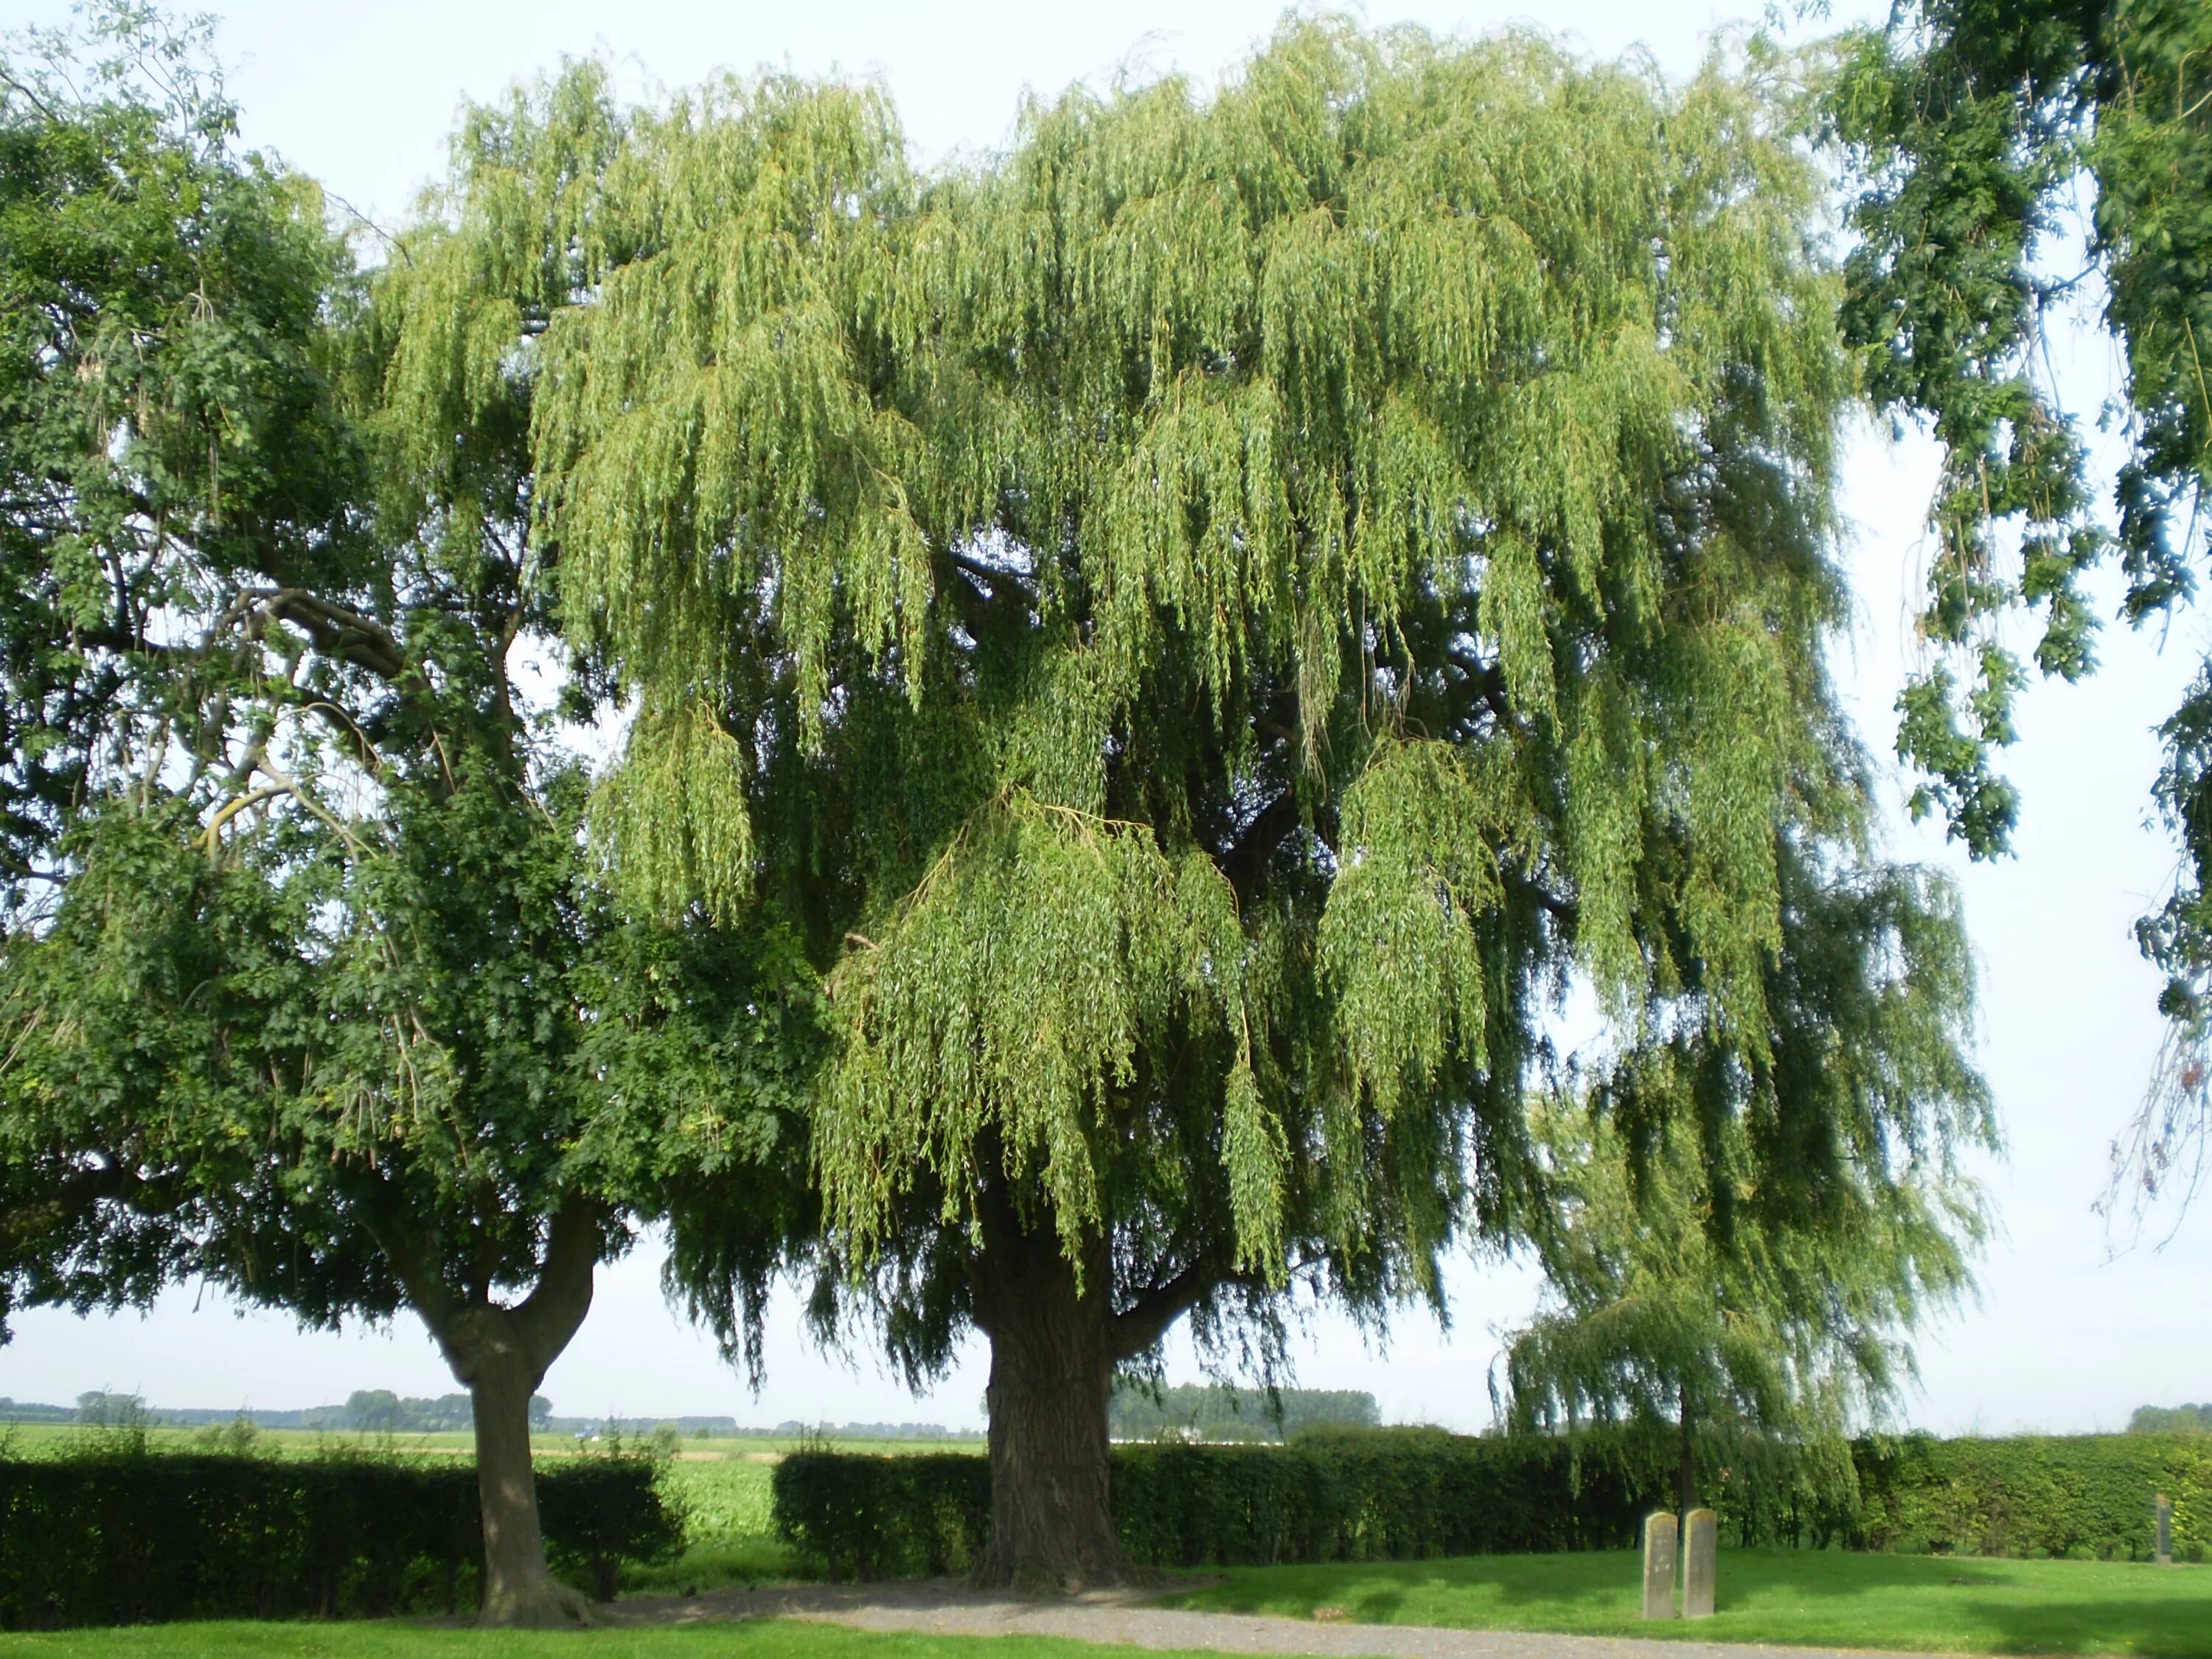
(1699, 1563)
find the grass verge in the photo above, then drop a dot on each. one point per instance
(1821, 1598)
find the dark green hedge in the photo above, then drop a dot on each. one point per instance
(2072, 1495)
(1354, 1496)
(1325, 1497)
(137, 1538)
(851, 1517)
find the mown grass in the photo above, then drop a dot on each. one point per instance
(1822, 1598)
(1931, 1604)
(754, 1639)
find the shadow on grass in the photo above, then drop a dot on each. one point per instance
(2176, 1629)
(1813, 1598)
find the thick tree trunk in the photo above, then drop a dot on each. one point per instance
(1053, 1352)
(518, 1588)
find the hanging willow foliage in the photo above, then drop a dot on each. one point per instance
(1216, 613)
(1684, 1282)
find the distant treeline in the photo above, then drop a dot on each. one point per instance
(28, 1410)
(2172, 1419)
(1188, 1411)
(379, 1411)
(1183, 1412)
(789, 1429)
(366, 1411)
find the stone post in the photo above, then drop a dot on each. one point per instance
(2165, 1530)
(1700, 1560)
(1659, 1566)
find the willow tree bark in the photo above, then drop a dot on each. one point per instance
(1056, 1336)
(1052, 1373)
(500, 1354)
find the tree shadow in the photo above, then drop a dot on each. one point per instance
(2153, 1629)
(1380, 1607)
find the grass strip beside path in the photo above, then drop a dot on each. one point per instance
(1815, 1598)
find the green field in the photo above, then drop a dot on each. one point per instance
(727, 1524)
(52, 1439)
(1827, 1598)
(754, 1640)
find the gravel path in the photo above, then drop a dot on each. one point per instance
(941, 1608)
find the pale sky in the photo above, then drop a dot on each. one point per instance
(2072, 1330)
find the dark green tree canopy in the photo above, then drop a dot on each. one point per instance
(165, 400)
(330, 1002)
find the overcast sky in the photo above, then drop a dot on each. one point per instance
(2072, 1330)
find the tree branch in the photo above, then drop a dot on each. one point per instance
(1139, 1325)
(548, 1315)
(335, 631)
(1247, 856)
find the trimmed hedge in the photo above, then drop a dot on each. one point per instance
(846, 1516)
(2070, 1495)
(1378, 1495)
(1328, 1496)
(139, 1538)
(1355, 1496)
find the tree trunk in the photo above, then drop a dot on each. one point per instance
(520, 1590)
(500, 1355)
(1053, 1352)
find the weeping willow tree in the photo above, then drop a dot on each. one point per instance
(1213, 617)
(1678, 1283)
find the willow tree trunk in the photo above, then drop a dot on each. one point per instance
(1052, 1353)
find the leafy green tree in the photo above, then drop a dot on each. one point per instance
(1213, 617)
(2190, 1418)
(160, 382)
(1677, 1287)
(1971, 125)
(327, 1001)
(98, 1409)
(372, 1410)
(160, 405)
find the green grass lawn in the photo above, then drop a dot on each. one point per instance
(1824, 1598)
(761, 1640)
(1937, 1604)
